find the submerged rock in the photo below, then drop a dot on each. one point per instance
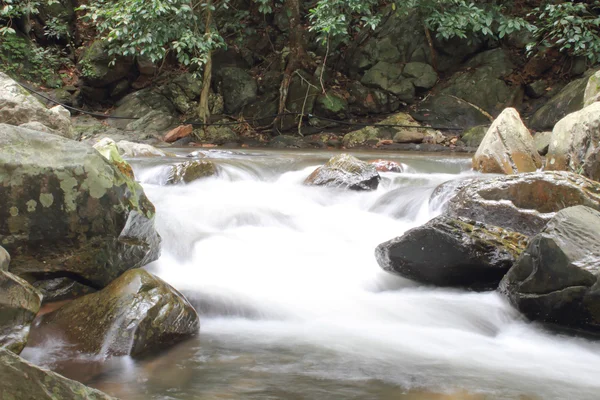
(67, 211)
(135, 314)
(523, 203)
(22, 380)
(452, 252)
(575, 143)
(387, 166)
(19, 303)
(190, 171)
(347, 172)
(556, 279)
(507, 147)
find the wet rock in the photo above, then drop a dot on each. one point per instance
(541, 141)
(19, 303)
(238, 87)
(131, 149)
(18, 106)
(190, 171)
(448, 111)
(57, 289)
(178, 133)
(574, 145)
(216, 135)
(507, 147)
(66, 210)
(346, 172)
(474, 136)
(108, 149)
(322, 140)
(95, 67)
(452, 252)
(135, 314)
(24, 381)
(387, 166)
(523, 203)
(556, 279)
(592, 90)
(4, 259)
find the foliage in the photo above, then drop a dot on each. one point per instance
(333, 18)
(154, 28)
(572, 28)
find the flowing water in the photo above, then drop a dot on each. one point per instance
(294, 306)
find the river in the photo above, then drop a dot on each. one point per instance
(294, 306)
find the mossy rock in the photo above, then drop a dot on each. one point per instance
(215, 135)
(135, 314)
(345, 172)
(67, 211)
(190, 171)
(474, 136)
(95, 67)
(108, 149)
(331, 105)
(22, 380)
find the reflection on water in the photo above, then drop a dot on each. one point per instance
(294, 306)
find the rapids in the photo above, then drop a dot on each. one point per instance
(294, 306)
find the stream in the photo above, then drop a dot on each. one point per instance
(293, 304)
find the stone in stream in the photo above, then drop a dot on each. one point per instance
(522, 203)
(67, 211)
(108, 148)
(19, 303)
(135, 314)
(387, 166)
(190, 171)
(556, 279)
(346, 172)
(453, 252)
(507, 147)
(574, 145)
(131, 149)
(22, 380)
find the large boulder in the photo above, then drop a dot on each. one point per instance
(443, 110)
(397, 127)
(96, 69)
(556, 279)
(507, 147)
(18, 106)
(135, 314)
(522, 203)
(474, 136)
(347, 172)
(131, 149)
(67, 211)
(238, 86)
(452, 252)
(190, 171)
(142, 111)
(592, 90)
(574, 145)
(108, 148)
(22, 380)
(387, 76)
(19, 304)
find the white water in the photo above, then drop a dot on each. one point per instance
(287, 285)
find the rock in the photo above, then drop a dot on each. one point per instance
(422, 75)
(302, 94)
(238, 88)
(145, 66)
(541, 140)
(58, 289)
(38, 126)
(108, 149)
(18, 106)
(191, 86)
(4, 259)
(536, 89)
(399, 134)
(135, 314)
(574, 145)
(346, 172)
(556, 279)
(448, 111)
(453, 252)
(322, 140)
(24, 381)
(95, 67)
(387, 166)
(568, 100)
(286, 142)
(19, 304)
(367, 136)
(592, 90)
(474, 136)
(523, 203)
(190, 171)
(177, 96)
(331, 105)
(180, 132)
(216, 135)
(388, 77)
(364, 100)
(507, 147)
(67, 211)
(143, 110)
(131, 149)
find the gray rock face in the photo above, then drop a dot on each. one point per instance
(153, 111)
(402, 134)
(19, 303)
(592, 90)
(448, 110)
(18, 106)
(523, 203)
(135, 314)
(541, 141)
(452, 252)
(422, 75)
(66, 210)
(388, 77)
(574, 145)
(4, 259)
(474, 136)
(24, 381)
(190, 171)
(507, 147)
(556, 279)
(346, 172)
(239, 88)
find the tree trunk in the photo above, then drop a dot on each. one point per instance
(203, 110)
